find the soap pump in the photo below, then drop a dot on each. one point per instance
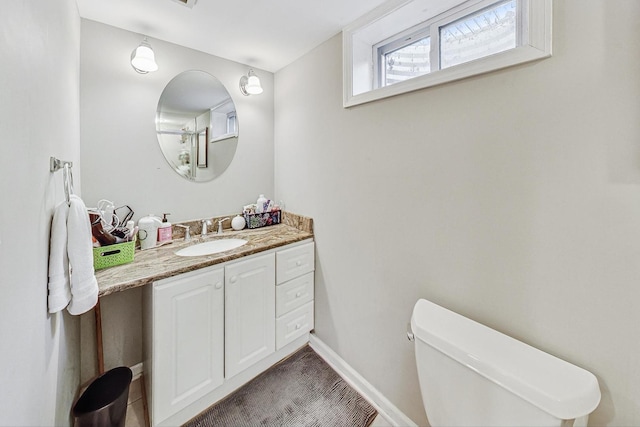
(165, 231)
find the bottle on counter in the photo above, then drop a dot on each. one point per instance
(260, 204)
(165, 230)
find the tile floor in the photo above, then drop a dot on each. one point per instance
(135, 405)
(135, 408)
(380, 421)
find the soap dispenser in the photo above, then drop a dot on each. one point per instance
(165, 231)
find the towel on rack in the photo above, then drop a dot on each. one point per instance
(84, 286)
(59, 290)
(72, 282)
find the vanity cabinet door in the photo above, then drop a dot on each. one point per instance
(188, 332)
(249, 312)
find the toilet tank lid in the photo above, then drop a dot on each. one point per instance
(547, 382)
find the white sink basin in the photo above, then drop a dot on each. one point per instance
(212, 247)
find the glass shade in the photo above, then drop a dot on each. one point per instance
(143, 59)
(253, 86)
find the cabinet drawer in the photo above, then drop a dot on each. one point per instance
(294, 262)
(294, 324)
(294, 293)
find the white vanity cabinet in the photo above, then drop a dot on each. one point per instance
(209, 331)
(186, 332)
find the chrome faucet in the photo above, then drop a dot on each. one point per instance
(220, 224)
(205, 222)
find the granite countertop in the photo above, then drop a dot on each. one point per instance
(151, 265)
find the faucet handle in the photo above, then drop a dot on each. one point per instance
(220, 224)
(187, 231)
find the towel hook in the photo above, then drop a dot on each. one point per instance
(67, 174)
(57, 164)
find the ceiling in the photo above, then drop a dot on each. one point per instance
(266, 34)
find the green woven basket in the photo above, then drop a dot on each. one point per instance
(108, 256)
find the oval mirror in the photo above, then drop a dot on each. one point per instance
(197, 126)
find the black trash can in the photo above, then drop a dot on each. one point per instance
(104, 402)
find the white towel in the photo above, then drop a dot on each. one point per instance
(84, 286)
(59, 290)
(72, 282)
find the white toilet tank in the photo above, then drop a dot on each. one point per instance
(472, 375)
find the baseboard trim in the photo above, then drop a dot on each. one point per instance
(137, 370)
(384, 407)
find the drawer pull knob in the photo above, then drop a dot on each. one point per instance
(298, 326)
(298, 295)
(298, 263)
(218, 285)
(233, 279)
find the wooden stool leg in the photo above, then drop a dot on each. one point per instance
(99, 338)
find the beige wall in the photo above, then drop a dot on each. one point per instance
(39, 118)
(512, 198)
(122, 161)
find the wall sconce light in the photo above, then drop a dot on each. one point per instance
(143, 59)
(250, 84)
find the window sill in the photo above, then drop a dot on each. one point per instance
(485, 65)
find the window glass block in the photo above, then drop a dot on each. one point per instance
(487, 32)
(407, 62)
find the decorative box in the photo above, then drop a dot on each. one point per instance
(262, 219)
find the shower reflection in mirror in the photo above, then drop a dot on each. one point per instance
(197, 126)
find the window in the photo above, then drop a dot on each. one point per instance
(232, 123)
(487, 32)
(409, 45)
(403, 59)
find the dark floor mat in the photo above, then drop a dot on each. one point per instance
(302, 390)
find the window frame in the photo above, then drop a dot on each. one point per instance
(361, 67)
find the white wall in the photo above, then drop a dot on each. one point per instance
(512, 198)
(39, 110)
(121, 156)
(122, 161)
